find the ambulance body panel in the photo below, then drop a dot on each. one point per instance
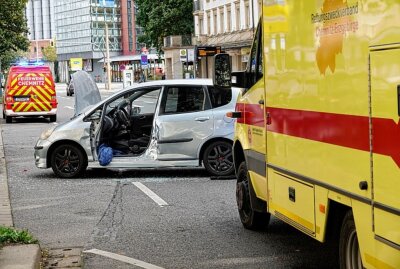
(29, 91)
(320, 141)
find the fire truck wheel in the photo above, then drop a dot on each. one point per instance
(218, 158)
(53, 118)
(251, 219)
(8, 119)
(68, 161)
(349, 251)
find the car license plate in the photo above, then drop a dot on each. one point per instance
(21, 98)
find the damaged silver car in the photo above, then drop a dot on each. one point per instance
(166, 123)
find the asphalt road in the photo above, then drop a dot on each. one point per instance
(107, 210)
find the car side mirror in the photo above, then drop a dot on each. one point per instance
(94, 116)
(136, 110)
(222, 71)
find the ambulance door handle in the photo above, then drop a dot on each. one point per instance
(398, 100)
(261, 102)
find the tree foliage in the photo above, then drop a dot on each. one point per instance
(50, 54)
(13, 26)
(163, 18)
(9, 57)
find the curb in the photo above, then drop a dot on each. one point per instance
(17, 256)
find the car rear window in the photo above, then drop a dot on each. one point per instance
(219, 97)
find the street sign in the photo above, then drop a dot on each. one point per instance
(143, 59)
(183, 55)
(208, 51)
(76, 64)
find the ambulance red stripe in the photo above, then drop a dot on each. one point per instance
(338, 129)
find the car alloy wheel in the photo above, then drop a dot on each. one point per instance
(218, 158)
(68, 161)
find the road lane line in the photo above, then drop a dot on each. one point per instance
(69, 107)
(123, 258)
(150, 193)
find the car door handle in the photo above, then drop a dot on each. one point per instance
(202, 118)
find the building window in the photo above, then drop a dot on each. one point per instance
(221, 19)
(215, 22)
(229, 20)
(237, 17)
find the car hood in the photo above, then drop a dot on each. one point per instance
(85, 91)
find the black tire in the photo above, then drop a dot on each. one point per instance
(349, 250)
(218, 158)
(68, 161)
(250, 218)
(53, 118)
(8, 119)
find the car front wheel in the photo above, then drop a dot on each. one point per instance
(218, 158)
(68, 161)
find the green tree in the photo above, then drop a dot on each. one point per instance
(50, 54)
(163, 18)
(13, 27)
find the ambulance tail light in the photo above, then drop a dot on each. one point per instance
(234, 114)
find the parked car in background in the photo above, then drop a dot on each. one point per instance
(165, 123)
(70, 88)
(29, 91)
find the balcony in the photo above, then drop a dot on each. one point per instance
(177, 41)
(197, 7)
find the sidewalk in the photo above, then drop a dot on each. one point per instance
(17, 256)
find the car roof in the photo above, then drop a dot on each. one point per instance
(196, 81)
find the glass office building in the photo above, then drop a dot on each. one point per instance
(81, 32)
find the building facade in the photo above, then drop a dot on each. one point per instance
(41, 24)
(227, 23)
(81, 27)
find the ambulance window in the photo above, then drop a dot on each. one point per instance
(255, 68)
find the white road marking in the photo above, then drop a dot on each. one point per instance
(123, 259)
(69, 107)
(150, 193)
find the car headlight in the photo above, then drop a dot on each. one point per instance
(46, 134)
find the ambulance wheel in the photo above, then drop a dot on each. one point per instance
(8, 119)
(68, 161)
(250, 218)
(218, 158)
(349, 250)
(53, 118)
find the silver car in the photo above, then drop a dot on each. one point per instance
(175, 123)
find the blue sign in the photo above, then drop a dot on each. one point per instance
(143, 60)
(106, 3)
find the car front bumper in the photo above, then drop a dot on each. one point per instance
(40, 154)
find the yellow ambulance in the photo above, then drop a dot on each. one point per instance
(317, 138)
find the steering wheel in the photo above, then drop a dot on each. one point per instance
(123, 116)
